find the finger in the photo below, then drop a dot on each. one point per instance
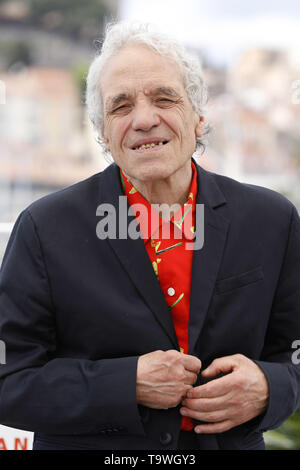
(213, 428)
(191, 363)
(214, 388)
(207, 404)
(209, 417)
(222, 364)
(190, 377)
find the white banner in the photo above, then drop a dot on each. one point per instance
(15, 439)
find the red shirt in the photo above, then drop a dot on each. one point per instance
(165, 242)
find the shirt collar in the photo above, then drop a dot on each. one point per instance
(149, 220)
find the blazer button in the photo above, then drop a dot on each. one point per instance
(165, 438)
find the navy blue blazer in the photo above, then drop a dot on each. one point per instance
(76, 312)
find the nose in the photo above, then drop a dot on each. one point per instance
(144, 117)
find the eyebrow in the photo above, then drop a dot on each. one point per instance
(165, 91)
(168, 91)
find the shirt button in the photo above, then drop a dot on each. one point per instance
(171, 291)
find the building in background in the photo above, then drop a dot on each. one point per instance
(256, 122)
(44, 129)
(46, 139)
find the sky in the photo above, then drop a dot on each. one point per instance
(222, 28)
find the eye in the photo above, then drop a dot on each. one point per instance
(123, 107)
(164, 101)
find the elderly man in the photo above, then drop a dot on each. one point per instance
(150, 341)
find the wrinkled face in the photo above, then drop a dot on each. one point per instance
(149, 123)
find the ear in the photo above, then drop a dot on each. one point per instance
(199, 126)
(105, 139)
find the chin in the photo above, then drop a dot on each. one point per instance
(152, 173)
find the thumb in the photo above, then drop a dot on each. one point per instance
(222, 364)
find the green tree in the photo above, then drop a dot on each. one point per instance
(287, 436)
(74, 17)
(79, 73)
(15, 51)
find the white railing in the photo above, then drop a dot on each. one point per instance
(6, 227)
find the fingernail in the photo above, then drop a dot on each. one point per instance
(183, 412)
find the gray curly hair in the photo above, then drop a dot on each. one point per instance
(120, 34)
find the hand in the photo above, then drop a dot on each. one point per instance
(230, 400)
(164, 377)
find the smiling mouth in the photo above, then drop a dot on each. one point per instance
(150, 145)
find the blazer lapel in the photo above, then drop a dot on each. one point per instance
(206, 261)
(132, 253)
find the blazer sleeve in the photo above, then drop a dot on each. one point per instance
(38, 391)
(278, 360)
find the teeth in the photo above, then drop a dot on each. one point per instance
(148, 146)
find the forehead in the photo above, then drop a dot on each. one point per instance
(136, 68)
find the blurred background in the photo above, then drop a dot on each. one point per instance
(250, 53)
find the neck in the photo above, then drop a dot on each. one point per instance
(171, 190)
